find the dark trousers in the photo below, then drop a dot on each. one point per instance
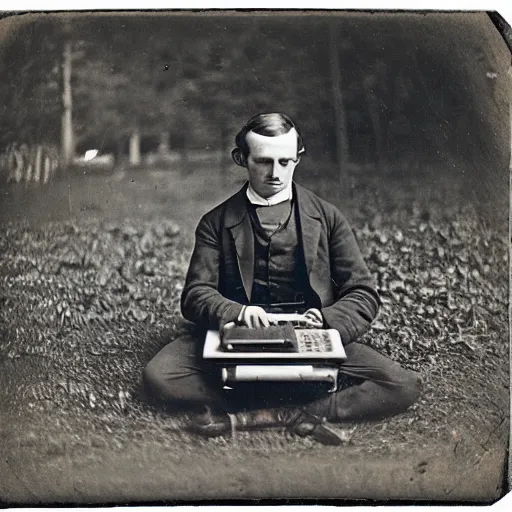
(371, 385)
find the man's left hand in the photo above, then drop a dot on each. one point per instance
(314, 317)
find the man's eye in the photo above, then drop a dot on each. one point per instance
(284, 162)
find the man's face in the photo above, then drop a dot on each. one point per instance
(271, 162)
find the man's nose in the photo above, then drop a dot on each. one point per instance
(274, 169)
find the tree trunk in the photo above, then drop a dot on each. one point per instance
(67, 126)
(135, 148)
(373, 110)
(340, 118)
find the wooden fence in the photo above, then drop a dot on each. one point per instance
(37, 163)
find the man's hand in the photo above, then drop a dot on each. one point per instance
(254, 316)
(314, 317)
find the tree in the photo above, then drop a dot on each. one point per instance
(30, 104)
(340, 124)
(67, 142)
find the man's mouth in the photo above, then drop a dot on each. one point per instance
(272, 182)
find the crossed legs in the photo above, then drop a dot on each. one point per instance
(178, 377)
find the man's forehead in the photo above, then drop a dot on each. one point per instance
(285, 142)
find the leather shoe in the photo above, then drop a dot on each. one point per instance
(297, 421)
(303, 423)
(320, 432)
(210, 425)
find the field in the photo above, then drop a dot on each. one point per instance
(92, 268)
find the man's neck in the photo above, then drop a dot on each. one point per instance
(280, 197)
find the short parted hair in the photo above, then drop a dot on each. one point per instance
(270, 125)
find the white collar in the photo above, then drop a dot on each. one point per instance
(280, 197)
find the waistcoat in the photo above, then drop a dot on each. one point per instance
(280, 274)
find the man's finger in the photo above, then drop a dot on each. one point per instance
(264, 320)
(314, 314)
(256, 320)
(260, 320)
(228, 326)
(313, 321)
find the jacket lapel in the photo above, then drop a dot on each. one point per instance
(239, 225)
(310, 226)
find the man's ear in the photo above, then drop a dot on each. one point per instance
(238, 157)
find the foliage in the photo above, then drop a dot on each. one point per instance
(92, 301)
(29, 85)
(420, 89)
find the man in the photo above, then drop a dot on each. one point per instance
(275, 246)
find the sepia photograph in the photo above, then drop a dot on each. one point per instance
(254, 255)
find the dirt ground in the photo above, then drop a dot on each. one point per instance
(92, 268)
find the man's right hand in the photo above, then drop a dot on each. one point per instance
(254, 316)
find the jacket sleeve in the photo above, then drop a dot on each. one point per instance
(201, 301)
(357, 301)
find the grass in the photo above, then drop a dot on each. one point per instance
(91, 285)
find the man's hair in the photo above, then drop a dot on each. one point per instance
(270, 125)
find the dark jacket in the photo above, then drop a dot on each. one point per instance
(220, 275)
